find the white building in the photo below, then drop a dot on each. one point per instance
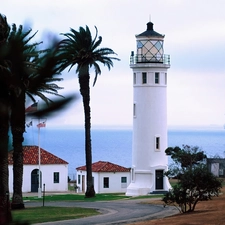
(107, 177)
(149, 160)
(54, 171)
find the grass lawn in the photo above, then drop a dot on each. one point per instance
(81, 197)
(47, 213)
(78, 197)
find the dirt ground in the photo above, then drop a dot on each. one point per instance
(210, 212)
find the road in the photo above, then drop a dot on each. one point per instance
(112, 212)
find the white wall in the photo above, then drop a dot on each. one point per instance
(150, 120)
(47, 177)
(115, 185)
(149, 124)
(79, 182)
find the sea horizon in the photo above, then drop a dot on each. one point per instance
(114, 143)
(130, 127)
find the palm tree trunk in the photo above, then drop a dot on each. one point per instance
(84, 79)
(5, 211)
(18, 128)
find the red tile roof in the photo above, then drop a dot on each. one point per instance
(102, 166)
(30, 156)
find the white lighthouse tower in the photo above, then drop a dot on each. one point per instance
(149, 161)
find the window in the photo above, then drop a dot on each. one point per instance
(144, 78)
(78, 179)
(165, 78)
(106, 182)
(150, 51)
(134, 78)
(157, 78)
(134, 110)
(123, 182)
(157, 143)
(56, 177)
(123, 179)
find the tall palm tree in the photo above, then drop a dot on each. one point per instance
(32, 76)
(5, 213)
(78, 48)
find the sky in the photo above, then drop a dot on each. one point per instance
(194, 38)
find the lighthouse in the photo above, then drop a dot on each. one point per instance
(149, 161)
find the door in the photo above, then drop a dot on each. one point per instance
(34, 180)
(83, 183)
(159, 179)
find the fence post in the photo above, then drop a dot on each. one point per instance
(44, 195)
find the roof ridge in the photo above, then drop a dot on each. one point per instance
(105, 166)
(31, 156)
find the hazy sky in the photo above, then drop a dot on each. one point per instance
(194, 39)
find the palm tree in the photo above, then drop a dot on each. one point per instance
(32, 76)
(78, 48)
(5, 213)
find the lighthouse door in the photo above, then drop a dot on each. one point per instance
(159, 179)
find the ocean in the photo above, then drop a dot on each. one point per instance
(115, 145)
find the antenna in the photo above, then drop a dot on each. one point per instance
(149, 17)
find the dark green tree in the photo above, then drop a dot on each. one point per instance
(5, 80)
(28, 68)
(81, 50)
(195, 182)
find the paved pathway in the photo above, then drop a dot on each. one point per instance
(112, 212)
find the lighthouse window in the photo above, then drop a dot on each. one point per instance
(157, 143)
(139, 44)
(144, 78)
(158, 45)
(132, 174)
(134, 78)
(165, 78)
(157, 78)
(134, 110)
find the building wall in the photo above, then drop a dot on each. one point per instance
(150, 120)
(149, 129)
(216, 166)
(47, 177)
(115, 185)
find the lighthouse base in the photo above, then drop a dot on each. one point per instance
(147, 183)
(132, 190)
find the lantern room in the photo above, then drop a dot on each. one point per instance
(149, 47)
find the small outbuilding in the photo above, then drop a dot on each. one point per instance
(216, 166)
(107, 177)
(53, 170)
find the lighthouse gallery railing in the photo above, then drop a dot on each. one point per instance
(165, 59)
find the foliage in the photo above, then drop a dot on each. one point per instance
(5, 213)
(195, 182)
(30, 73)
(24, 71)
(187, 157)
(81, 50)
